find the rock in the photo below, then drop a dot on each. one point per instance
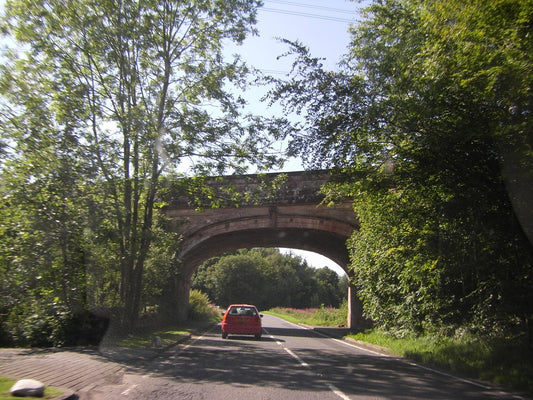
(27, 387)
(157, 342)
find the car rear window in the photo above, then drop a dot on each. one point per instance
(243, 311)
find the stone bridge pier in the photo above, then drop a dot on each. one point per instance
(290, 216)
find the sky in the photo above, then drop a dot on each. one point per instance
(320, 25)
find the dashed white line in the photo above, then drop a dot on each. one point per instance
(334, 389)
(302, 362)
(128, 390)
(331, 387)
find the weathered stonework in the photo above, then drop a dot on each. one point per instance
(290, 216)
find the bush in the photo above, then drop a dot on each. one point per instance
(201, 309)
(51, 325)
(37, 324)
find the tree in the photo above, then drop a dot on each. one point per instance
(418, 122)
(267, 278)
(141, 87)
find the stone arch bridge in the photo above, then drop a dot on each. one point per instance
(265, 210)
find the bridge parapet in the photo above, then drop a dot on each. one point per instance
(246, 190)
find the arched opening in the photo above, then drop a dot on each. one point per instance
(315, 260)
(326, 243)
(268, 278)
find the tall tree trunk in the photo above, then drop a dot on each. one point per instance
(134, 285)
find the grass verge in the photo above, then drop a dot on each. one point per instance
(144, 338)
(503, 361)
(323, 316)
(7, 383)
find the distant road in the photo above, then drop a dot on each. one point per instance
(290, 362)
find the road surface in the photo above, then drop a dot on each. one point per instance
(290, 362)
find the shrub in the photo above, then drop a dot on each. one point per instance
(51, 325)
(201, 309)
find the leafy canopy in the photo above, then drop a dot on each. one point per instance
(429, 120)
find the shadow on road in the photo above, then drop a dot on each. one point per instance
(308, 333)
(242, 361)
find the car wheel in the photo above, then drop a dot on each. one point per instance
(224, 335)
(258, 337)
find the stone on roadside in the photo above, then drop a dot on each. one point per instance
(27, 387)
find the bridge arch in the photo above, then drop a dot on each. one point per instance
(294, 221)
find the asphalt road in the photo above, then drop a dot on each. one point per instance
(289, 362)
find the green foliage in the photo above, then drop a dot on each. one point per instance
(201, 308)
(266, 278)
(44, 327)
(98, 102)
(39, 323)
(422, 122)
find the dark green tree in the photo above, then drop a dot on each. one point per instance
(420, 122)
(268, 279)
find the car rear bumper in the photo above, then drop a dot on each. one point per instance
(243, 329)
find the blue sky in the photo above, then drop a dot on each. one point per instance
(320, 25)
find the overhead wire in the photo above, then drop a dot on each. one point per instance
(307, 6)
(307, 15)
(271, 7)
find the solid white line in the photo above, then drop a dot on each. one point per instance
(447, 375)
(411, 363)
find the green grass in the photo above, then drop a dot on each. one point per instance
(6, 384)
(144, 339)
(504, 361)
(323, 316)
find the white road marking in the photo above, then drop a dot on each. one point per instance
(191, 342)
(447, 375)
(344, 342)
(302, 362)
(128, 390)
(273, 338)
(334, 389)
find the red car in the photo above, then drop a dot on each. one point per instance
(243, 319)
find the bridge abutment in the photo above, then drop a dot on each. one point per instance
(356, 322)
(183, 290)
